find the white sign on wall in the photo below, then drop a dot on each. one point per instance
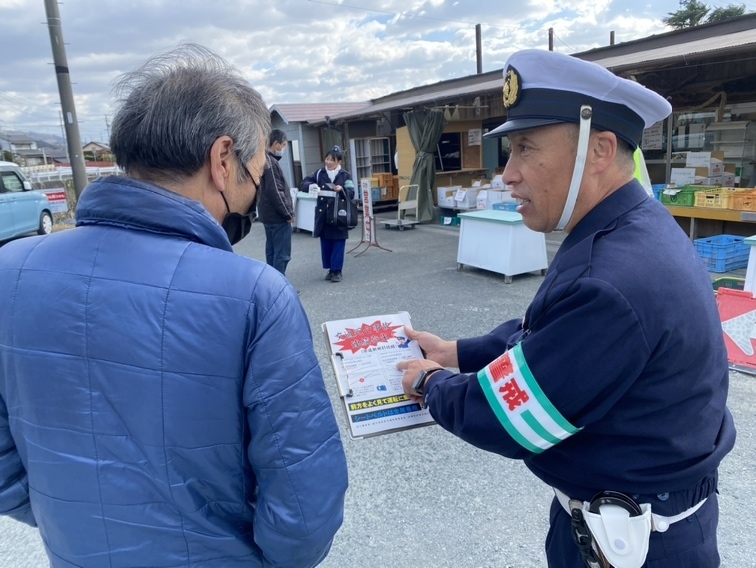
(653, 136)
(474, 137)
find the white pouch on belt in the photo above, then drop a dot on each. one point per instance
(622, 539)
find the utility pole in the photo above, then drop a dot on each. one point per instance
(551, 39)
(73, 139)
(479, 48)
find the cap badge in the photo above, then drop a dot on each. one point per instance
(511, 91)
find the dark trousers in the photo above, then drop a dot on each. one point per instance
(332, 253)
(690, 543)
(278, 245)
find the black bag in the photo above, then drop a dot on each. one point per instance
(341, 211)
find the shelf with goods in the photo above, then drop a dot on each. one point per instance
(370, 156)
(371, 159)
(737, 139)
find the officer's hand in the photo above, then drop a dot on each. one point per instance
(435, 348)
(337, 187)
(412, 368)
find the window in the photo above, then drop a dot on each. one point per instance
(12, 182)
(448, 152)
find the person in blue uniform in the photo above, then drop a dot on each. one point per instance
(332, 238)
(612, 388)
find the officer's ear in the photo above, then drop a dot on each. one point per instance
(602, 150)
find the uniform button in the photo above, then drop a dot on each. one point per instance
(663, 496)
(662, 526)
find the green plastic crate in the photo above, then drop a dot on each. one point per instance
(685, 196)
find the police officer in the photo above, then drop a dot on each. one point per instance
(612, 388)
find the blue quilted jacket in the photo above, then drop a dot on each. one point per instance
(160, 400)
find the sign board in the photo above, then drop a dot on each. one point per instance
(474, 137)
(57, 199)
(653, 136)
(366, 194)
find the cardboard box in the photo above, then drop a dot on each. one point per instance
(682, 176)
(445, 195)
(466, 198)
(728, 179)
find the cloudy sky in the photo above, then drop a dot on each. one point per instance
(291, 50)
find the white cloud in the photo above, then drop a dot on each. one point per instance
(291, 50)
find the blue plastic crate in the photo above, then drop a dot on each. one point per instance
(723, 253)
(506, 206)
(657, 189)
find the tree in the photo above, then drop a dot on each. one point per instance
(690, 14)
(726, 13)
(694, 13)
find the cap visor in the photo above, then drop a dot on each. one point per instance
(517, 124)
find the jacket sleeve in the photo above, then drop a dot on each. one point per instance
(295, 449)
(475, 353)
(282, 202)
(305, 185)
(349, 184)
(14, 486)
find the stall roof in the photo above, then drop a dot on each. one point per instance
(313, 112)
(738, 34)
(688, 50)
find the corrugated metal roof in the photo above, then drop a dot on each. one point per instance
(313, 112)
(706, 46)
(428, 97)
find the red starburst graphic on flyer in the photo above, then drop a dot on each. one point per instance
(367, 335)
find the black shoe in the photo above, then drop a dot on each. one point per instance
(329, 275)
(336, 276)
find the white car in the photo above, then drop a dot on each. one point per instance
(22, 210)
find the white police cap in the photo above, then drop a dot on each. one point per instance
(543, 87)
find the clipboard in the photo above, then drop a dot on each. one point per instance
(364, 353)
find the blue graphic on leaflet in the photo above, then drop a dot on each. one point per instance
(385, 413)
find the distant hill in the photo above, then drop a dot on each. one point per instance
(43, 140)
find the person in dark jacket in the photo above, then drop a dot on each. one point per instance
(274, 206)
(161, 403)
(332, 238)
(613, 387)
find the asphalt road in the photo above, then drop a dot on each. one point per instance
(422, 498)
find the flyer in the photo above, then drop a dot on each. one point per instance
(364, 353)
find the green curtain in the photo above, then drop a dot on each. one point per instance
(331, 137)
(425, 128)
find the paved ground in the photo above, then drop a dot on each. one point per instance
(422, 498)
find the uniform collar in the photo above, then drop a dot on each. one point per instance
(626, 198)
(133, 204)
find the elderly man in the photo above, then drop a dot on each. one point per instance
(160, 400)
(612, 388)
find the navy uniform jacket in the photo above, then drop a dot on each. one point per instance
(617, 377)
(320, 177)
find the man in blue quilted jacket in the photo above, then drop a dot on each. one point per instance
(160, 400)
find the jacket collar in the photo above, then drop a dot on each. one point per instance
(142, 206)
(628, 197)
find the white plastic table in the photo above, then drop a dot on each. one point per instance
(499, 241)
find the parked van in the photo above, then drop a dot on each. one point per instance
(22, 210)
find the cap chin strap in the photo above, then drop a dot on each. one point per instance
(577, 174)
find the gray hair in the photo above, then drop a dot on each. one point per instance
(175, 106)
